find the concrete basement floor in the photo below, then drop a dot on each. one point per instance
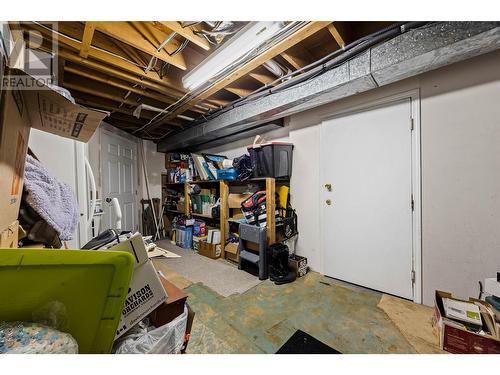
(349, 319)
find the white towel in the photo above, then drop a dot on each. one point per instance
(52, 199)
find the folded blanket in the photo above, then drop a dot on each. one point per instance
(51, 198)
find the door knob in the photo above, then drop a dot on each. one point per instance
(328, 187)
(329, 202)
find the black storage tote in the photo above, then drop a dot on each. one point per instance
(272, 159)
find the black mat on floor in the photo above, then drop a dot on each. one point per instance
(303, 343)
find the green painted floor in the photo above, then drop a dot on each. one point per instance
(265, 317)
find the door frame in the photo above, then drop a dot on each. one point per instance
(135, 170)
(414, 97)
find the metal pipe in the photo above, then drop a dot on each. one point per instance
(166, 41)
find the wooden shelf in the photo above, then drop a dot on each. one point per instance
(205, 182)
(223, 185)
(202, 215)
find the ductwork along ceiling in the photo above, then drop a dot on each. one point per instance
(136, 70)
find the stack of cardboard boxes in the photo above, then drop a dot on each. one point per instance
(459, 336)
(26, 104)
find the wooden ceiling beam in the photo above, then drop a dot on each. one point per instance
(280, 47)
(297, 57)
(145, 114)
(115, 61)
(109, 81)
(105, 106)
(263, 78)
(336, 35)
(129, 51)
(241, 92)
(114, 73)
(100, 94)
(185, 32)
(88, 34)
(127, 33)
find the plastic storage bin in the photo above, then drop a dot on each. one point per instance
(184, 237)
(229, 174)
(80, 292)
(273, 159)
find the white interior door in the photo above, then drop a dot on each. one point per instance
(119, 179)
(367, 228)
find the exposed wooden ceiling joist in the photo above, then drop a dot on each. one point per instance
(278, 48)
(65, 54)
(100, 93)
(88, 34)
(127, 33)
(107, 62)
(86, 100)
(297, 56)
(124, 86)
(239, 91)
(185, 32)
(130, 52)
(113, 60)
(262, 77)
(336, 35)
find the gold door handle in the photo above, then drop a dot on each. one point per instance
(328, 187)
(329, 202)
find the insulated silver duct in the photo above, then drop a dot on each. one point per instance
(275, 68)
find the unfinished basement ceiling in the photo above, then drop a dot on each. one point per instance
(110, 65)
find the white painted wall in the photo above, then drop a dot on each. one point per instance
(460, 139)
(155, 166)
(461, 175)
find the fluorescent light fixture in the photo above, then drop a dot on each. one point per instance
(247, 39)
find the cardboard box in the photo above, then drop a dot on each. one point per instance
(172, 307)
(42, 109)
(14, 134)
(145, 290)
(235, 200)
(232, 252)
(196, 242)
(134, 246)
(298, 264)
(209, 250)
(9, 237)
(454, 338)
(145, 294)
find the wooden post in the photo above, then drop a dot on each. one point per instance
(224, 215)
(271, 210)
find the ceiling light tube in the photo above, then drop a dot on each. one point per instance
(249, 38)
